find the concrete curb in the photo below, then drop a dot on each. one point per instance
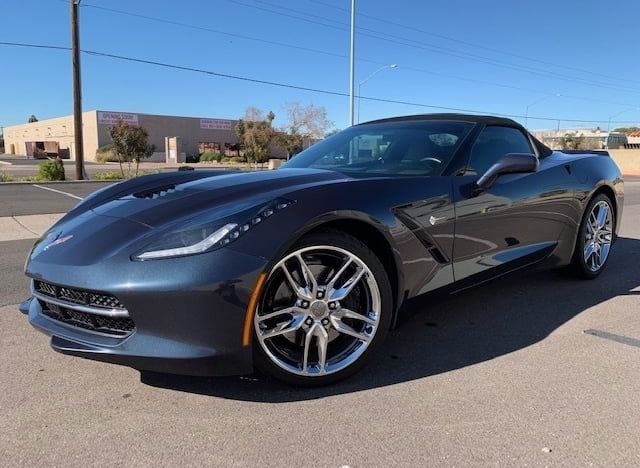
(53, 182)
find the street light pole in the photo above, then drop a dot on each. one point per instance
(393, 65)
(352, 64)
(77, 90)
(526, 113)
(616, 115)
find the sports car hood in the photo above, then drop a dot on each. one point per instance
(157, 205)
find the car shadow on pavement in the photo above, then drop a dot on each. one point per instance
(441, 335)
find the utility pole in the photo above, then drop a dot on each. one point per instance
(77, 90)
(352, 62)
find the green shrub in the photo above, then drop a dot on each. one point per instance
(185, 168)
(236, 160)
(4, 177)
(212, 156)
(106, 154)
(108, 175)
(51, 170)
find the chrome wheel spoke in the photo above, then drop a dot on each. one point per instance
(285, 327)
(593, 221)
(345, 329)
(321, 336)
(309, 278)
(302, 291)
(346, 313)
(338, 294)
(589, 249)
(288, 310)
(603, 214)
(332, 282)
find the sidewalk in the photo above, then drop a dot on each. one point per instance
(26, 226)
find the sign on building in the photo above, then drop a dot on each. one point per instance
(216, 124)
(112, 118)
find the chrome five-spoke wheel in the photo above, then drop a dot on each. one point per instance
(319, 312)
(595, 238)
(598, 236)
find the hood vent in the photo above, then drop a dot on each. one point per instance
(156, 192)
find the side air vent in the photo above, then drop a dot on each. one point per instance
(421, 234)
(156, 192)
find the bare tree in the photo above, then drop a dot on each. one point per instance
(303, 123)
(572, 141)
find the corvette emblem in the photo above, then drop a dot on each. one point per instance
(433, 220)
(58, 241)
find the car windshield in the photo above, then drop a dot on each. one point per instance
(409, 148)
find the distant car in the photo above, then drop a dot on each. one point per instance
(301, 272)
(615, 140)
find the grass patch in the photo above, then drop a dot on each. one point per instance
(108, 175)
(117, 175)
(4, 177)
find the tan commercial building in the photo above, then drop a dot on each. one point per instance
(173, 137)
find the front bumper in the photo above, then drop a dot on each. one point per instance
(188, 312)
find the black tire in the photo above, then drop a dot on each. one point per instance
(342, 240)
(578, 266)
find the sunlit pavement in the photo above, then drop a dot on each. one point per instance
(500, 375)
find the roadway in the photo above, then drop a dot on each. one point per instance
(499, 375)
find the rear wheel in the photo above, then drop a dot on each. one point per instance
(595, 238)
(324, 309)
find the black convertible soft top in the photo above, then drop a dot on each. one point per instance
(543, 150)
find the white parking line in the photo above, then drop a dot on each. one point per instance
(58, 191)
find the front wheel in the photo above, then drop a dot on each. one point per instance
(324, 309)
(595, 238)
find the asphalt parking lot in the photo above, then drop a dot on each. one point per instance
(499, 375)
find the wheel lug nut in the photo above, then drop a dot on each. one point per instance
(332, 305)
(320, 294)
(304, 304)
(309, 321)
(325, 321)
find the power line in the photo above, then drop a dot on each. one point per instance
(301, 88)
(215, 31)
(333, 54)
(375, 34)
(472, 44)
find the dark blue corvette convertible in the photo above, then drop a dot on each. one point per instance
(301, 272)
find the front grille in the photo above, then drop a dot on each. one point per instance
(105, 300)
(78, 296)
(118, 326)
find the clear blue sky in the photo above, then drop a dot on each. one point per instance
(484, 43)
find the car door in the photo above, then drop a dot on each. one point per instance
(516, 221)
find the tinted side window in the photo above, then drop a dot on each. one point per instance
(492, 144)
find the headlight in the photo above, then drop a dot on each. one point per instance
(206, 237)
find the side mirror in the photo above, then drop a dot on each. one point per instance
(512, 163)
